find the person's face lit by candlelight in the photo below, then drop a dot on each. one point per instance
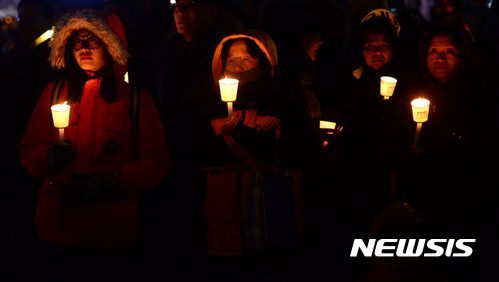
(443, 57)
(239, 59)
(311, 45)
(88, 51)
(377, 50)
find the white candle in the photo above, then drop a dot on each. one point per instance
(418, 131)
(228, 91)
(229, 109)
(387, 86)
(324, 124)
(420, 111)
(327, 125)
(60, 115)
(61, 134)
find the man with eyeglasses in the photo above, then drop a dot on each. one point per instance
(183, 86)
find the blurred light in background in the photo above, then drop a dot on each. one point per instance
(8, 8)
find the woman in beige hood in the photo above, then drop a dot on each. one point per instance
(261, 146)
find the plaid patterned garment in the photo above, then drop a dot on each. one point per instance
(257, 231)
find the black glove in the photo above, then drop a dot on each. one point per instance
(61, 154)
(89, 190)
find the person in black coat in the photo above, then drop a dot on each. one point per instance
(449, 176)
(182, 87)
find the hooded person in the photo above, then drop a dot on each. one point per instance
(265, 132)
(365, 159)
(89, 199)
(364, 107)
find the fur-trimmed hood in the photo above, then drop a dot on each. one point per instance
(106, 26)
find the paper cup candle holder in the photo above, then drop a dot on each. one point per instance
(387, 86)
(228, 91)
(420, 112)
(60, 115)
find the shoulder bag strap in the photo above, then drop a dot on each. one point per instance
(56, 91)
(134, 112)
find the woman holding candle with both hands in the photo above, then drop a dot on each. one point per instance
(265, 136)
(88, 204)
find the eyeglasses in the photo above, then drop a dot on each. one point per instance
(91, 43)
(184, 6)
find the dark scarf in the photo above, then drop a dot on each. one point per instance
(251, 75)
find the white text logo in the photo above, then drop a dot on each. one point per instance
(409, 248)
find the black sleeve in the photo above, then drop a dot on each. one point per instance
(296, 146)
(210, 150)
(261, 144)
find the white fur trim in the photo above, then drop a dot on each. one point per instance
(91, 21)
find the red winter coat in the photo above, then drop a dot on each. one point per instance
(96, 129)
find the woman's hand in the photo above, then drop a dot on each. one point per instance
(414, 153)
(61, 154)
(322, 135)
(230, 126)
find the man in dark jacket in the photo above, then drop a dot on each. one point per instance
(182, 87)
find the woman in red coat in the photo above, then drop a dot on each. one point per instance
(89, 199)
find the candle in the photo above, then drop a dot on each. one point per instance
(420, 110)
(60, 115)
(418, 132)
(327, 124)
(228, 91)
(387, 86)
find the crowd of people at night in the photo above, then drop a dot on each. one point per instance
(158, 176)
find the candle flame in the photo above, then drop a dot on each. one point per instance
(65, 102)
